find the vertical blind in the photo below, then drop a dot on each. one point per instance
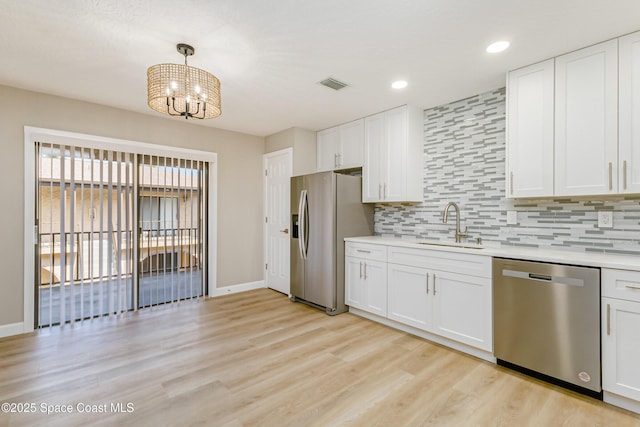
(116, 231)
(172, 229)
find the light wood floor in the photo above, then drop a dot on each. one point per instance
(257, 359)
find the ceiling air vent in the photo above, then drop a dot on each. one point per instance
(333, 84)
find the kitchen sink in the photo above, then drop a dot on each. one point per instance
(453, 245)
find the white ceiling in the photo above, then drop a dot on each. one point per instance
(270, 55)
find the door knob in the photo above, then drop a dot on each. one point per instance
(285, 231)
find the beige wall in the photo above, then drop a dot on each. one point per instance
(303, 143)
(240, 257)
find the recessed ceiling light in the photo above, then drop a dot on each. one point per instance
(497, 46)
(399, 84)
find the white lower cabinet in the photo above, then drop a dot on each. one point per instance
(621, 333)
(366, 278)
(366, 285)
(621, 348)
(442, 293)
(409, 298)
(462, 309)
(451, 305)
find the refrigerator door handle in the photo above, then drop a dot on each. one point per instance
(302, 214)
(301, 224)
(305, 242)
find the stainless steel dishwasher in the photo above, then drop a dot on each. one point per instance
(546, 322)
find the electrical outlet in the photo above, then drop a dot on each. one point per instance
(512, 217)
(605, 219)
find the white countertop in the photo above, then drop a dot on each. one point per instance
(604, 260)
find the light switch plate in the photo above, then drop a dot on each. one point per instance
(605, 219)
(512, 217)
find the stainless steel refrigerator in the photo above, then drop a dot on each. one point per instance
(326, 207)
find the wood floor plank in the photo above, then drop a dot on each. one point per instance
(256, 359)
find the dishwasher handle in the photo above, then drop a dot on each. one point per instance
(539, 277)
(543, 277)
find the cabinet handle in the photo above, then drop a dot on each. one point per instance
(511, 182)
(624, 175)
(434, 284)
(384, 191)
(335, 159)
(608, 319)
(427, 283)
(610, 176)
(363, 251)
(361, 269)
(632, 287)
(365, 271)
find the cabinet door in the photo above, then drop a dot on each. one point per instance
(621, 347)
(375, 283)
(530, 131)
(355, 293)
(328, 147)
(409, 300)
(629, 105)
(462, 309)
(586, 145)
(351, 152)
(394, 169)
(374, 152)
(366, 285)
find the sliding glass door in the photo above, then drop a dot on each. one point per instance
(116, 231)
(172, 229)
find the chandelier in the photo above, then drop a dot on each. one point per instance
(181, 90)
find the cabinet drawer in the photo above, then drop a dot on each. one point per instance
(366, 251)
(473, 265)
(621, 284)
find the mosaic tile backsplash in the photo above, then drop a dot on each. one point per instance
(464, 162)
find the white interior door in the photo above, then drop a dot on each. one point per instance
(278, 167)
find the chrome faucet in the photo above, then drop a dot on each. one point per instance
(459, 233)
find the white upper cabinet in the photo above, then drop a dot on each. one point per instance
(530, 131)
(327, 146)
(352, 144)
(594, 116)
(586, 116)
(374, 136)
(629, 114)
(393, 145)
(341, 147)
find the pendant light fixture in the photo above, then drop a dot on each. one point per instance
(181, 90)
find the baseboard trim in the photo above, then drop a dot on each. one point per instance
(243, 287)
(621, 402)
(11, 329)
